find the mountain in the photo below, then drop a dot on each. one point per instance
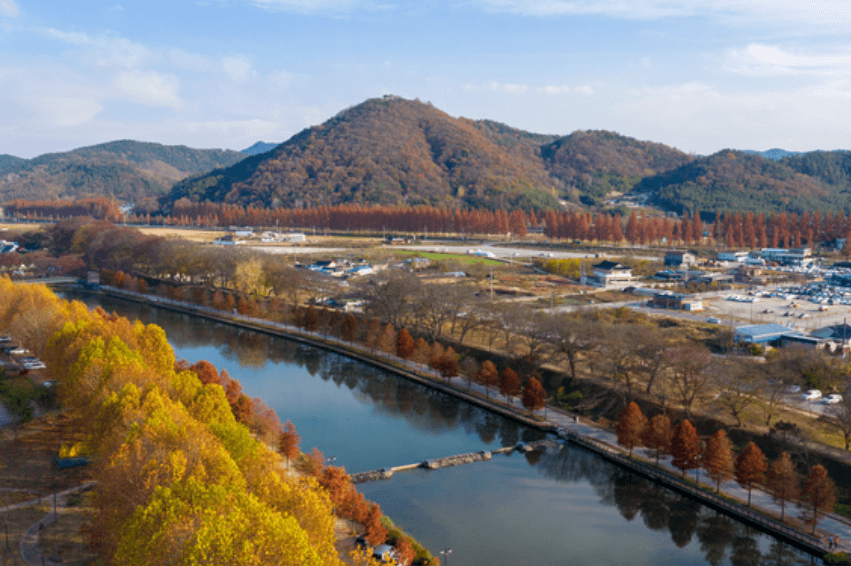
(775, 154)
(395, 151)
(736, 181)
(595, 163)
(128, 170)
(259, 147)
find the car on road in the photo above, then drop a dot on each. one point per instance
(832, 399)
(713, 320)
(811, 395)
(38, 364)
(793, 389)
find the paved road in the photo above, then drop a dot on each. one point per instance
(518, 253)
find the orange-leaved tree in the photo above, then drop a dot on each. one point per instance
(534, 396)
(783, 482)
(509, 383)
(818, 495)
(630, 427)
(487, 375)
(657, 435)
(718, 458)
(750, 468)
(288, 441)
(404, 344)
(685, 446)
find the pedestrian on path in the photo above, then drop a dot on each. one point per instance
(829, 543)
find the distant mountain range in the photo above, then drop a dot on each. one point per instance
(394, 151)
(259, 147)
(128, 170)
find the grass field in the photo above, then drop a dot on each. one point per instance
(436, 256)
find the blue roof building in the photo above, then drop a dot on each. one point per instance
(763, 333)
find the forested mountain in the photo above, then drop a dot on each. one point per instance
(831, 167)
(735, 180)
(386, 151)
(594, 163)
(775, 154)
(128, 170)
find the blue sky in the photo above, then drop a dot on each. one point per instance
(697, 75)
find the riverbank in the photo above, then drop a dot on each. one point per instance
(457, 387)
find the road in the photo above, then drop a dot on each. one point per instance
(517, 253)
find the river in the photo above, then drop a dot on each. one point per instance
(561, 506)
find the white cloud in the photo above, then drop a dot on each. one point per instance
(816, 12)
(9, 9)
(693, 113)
(551, 89)
(585, 89)
(238, 68)
(107, 51)
(189, 61)
(494, 86)
(64, 111)
(149, 87)
(770, 60)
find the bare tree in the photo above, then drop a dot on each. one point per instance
(739, 387)
(389, 297)
(840, 418)
(689, 377)
(572, 337)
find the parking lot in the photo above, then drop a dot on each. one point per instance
(805, 317)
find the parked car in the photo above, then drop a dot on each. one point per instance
(811, 395)
(19, 351)
(713, 320)
(793, 389)
(34, 365)
(832, 399)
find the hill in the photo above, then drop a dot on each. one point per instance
(595, 163)
(775, 154)
(384, 151)
(126, 169)
(735, 180)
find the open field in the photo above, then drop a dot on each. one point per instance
(465, 258)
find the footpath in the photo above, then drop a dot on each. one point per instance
(550, 419)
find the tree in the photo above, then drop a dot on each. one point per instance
(841, 418)
(376, 533)
(657, 435)
(750, 468)
(509, 383)
(288, 441)
(685, 447)
(631, 426)
(351, 328)
(534, 396)
(487, 375)
(818, 495)
(387, 340)
(689, 376)
(446, 363)
(404, 344)
(739, 388)
(18, 396)
(783, 482)
(422, 352)
(718, 458)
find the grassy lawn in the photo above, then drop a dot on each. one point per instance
(19, 521)
(63, 540)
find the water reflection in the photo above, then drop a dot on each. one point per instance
(663, 510)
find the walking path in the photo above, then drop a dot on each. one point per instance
(29, 541)
(829, 525)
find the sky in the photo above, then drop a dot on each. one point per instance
(699, 75)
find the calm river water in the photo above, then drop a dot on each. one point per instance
(560, 507)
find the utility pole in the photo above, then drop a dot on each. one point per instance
(491, 282)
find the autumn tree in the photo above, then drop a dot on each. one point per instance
(534, 396)
(387, 340)
(446, 363)
(351, 328)
(718, 458)
(509, 383)
(422, 352)
(376, 533)
(631, 426)
(783, 482)
(818, 495)
(288, 441)
(487, 375)
(685, 447)
(404, 344)
(750, 468)
(373, 333)
(657, 435)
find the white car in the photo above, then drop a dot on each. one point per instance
(34, 365)
(811, 395)
(832, 399)
(793, 389)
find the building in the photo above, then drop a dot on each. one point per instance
(676, 301)
(608, 272)
(732, 255)
(783, 256)
(227, 241)
(771, 334)
(840, 333)
(680, 259)
(7, 247)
